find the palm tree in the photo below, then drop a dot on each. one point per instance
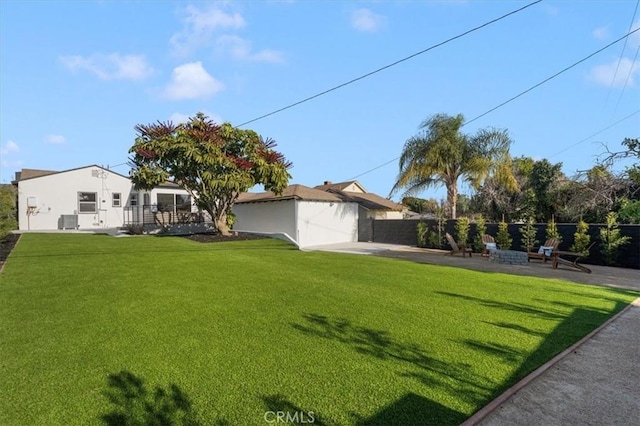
(441, 155)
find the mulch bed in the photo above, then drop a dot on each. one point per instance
(6, 245)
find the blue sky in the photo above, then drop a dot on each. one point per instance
(77, 76)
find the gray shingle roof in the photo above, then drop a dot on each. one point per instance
(292, 192)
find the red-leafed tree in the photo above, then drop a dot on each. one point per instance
(214, 163)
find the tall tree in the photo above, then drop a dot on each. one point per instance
(442, 155)
(214, 163)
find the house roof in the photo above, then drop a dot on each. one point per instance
(32, 173)
(340, 186)
(370, 201)
(291, 192)
(25, 174)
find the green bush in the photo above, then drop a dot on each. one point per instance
(481, 229)
(611, 240)
(528, 232)
(581, 239)
(422, 230)
(503, 239)
(8, 220)
(552, 230)
(462, 232)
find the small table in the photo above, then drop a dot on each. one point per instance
(557, 260)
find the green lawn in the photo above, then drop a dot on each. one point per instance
(97, 330)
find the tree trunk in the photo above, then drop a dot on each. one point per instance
(452, 199)
(221, 224)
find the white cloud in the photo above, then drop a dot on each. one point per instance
(240, 48)
(177, 117)
(9, 148)
(604, 74)
(110, 67)
(367, 21)
(199, 26)
(55, 139)
(601, 33)
(192, 81)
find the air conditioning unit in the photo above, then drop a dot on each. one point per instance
(68, 221)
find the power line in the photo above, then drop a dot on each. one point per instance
(553, 76)
(596, 133)
(624, 47)
(519, 95)
(392, 64)
(626, 81)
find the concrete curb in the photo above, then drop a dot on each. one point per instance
(506, 395)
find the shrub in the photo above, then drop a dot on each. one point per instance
(528, 232)
(7, 210)
(503, 239)
(422, 230)
(462, 231)
(481, 229)
(552, 230)
(611, 240)
(581, 239)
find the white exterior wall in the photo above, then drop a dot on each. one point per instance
(353, 187)
(322, 222)
(57, 195)
(269, 217)
(384, 214)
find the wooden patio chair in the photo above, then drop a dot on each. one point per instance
(454, 247)
(544, 251)
(487, 239)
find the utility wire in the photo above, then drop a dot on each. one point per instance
(392, 64)
(519, 95)
(596, 133)
(626, 81)
(624, 47)
(553, 76)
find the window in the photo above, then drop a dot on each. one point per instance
(183, 203)
(165, 202)
(87, 202)
(116, 198)
(133, 199)
(146, 199)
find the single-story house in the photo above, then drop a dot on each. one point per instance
(302, 215)
(326, 214)
(93, 197)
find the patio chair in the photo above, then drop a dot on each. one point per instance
(544, 251)
(488, 244)
(455, 249)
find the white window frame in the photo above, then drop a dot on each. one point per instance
(86, 203)
(116, 199)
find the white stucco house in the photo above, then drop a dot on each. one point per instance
(301, 215)
(93, 197)
(326, 214)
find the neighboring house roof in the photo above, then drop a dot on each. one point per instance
(370, 201)
(32, 173)
(25, 174)
(340, 186)
(291, 192)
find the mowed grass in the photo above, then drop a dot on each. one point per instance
(98, 330)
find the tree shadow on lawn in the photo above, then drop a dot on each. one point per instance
(134, 404)
(454, 378)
